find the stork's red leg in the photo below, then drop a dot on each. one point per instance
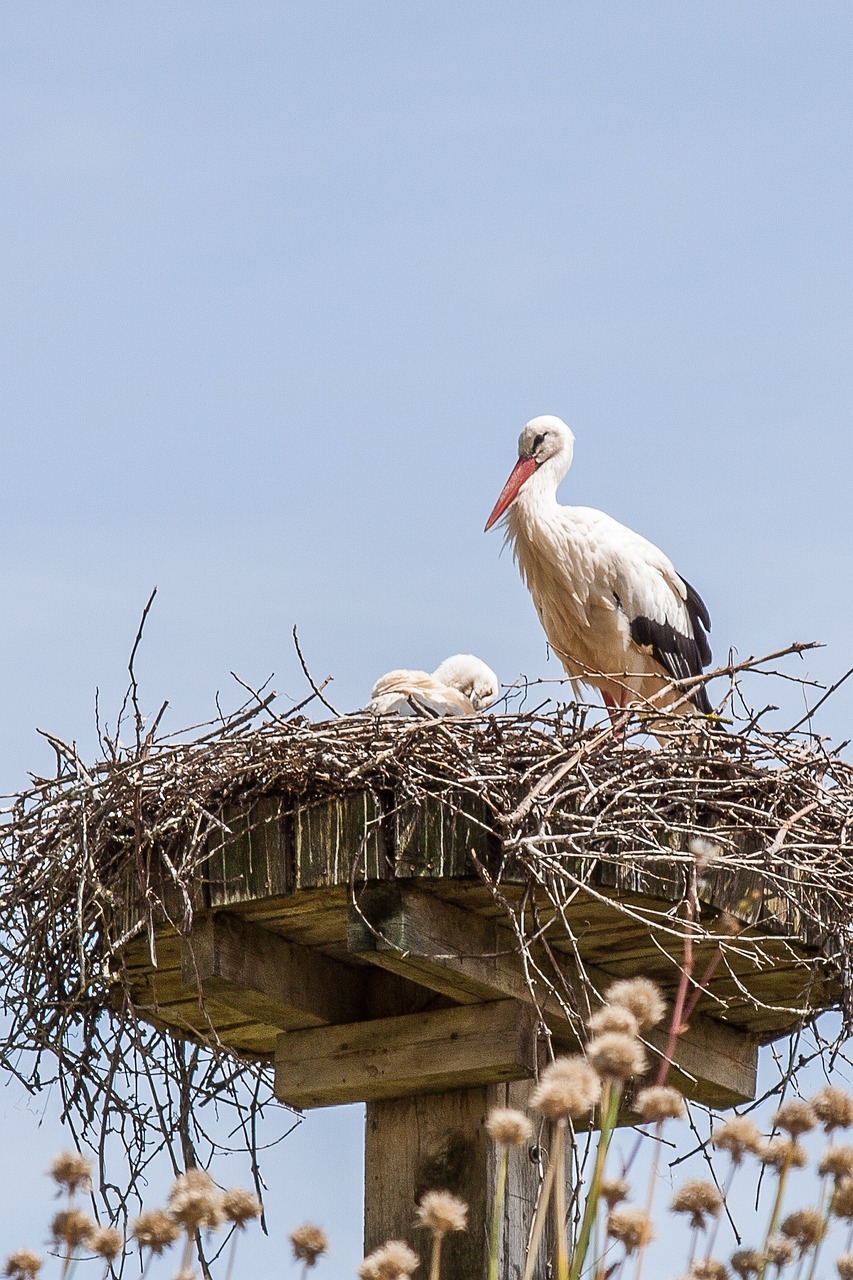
(612, 706)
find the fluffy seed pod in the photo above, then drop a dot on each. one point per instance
(617, 1057)
(747, 1263)
(841, 1204)
(23, 1264)
(195, 1200)
(836, 1162)
(844, 1264)
(833, 1108)
(631, 1226)
(805, 1227)
(568, 1088)
(440, 1212)
(795, 1117)
(614, 1190)
(737, 1136)
(780, 1251)
(707, 1269)
(72, 1227)
(698, 1198)
(780, 1152)
(393, 1261)
(508, 1127)
(642, 996)
(72, 1171)
(240, 1206)
(107, 1242)
(613, 1017)
(309, 1243)
(659, 1103)
(155, 1230)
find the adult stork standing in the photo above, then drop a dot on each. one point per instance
(614, 610)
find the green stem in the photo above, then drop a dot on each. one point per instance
(560, 1201)
(498, 1213)
(611, 1096)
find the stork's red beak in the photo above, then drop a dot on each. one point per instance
(522, 471)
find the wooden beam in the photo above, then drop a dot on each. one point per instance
(395, 1057)
(264, 976)
(439, 1141)
(469, 957)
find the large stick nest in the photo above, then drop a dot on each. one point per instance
(560, 792)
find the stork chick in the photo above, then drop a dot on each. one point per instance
(462, 686)
(614, 610)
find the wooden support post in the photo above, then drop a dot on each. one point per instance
(418, 1053)
(404, 929)
(439, 1142)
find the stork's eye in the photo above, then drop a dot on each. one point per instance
(538, 441)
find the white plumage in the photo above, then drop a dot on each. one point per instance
(614, 609)
(462, 686)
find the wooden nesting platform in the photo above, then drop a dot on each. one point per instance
(361, 950)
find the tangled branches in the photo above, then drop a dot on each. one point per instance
(108, 854)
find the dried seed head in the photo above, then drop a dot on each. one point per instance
(613, 1017)
(614, 1190)
(844, 1263)
(780, 1251)
(106, 1241)
(640, 995)
(747, 1262)
(567, 1088)
(738, 1136)
(71, 1170)
(841, 1204)
(632, 1226)
(393, 1261)
(805, 1227)
(309, 1243)
(195, 1200)
(72, 1227)
(836, 1162)
(698, 1198)
(707, 1269)
(23, 1264)
(705, 852)
(795, 1117)
(441, 1211)
(508, 1127)
(240, 1206)
(659, 1103)
(617, 1057)
(155, 1230)
(833, 1108)
(780, 1152)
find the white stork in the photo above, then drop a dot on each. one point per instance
(462, 686)
(614, 610)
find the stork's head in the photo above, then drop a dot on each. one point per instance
(470, 676)
(546, 442)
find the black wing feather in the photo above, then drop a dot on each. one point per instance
(680, 655)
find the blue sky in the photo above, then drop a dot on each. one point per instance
(281, 284)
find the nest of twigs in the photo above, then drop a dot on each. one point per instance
(560, 792)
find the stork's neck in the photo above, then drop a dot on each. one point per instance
(536, 503)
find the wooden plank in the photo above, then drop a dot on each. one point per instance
(267, 977)
(469, 957)
(329, 836)
(435, 836)
(251, 861)
(439, 1141)
(395, 1057)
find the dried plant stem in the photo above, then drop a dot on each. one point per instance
(611, 1095)
(641, 1248)
(776, 1213)
(498, 1212)
(561, 1225)
(539, 1221)
(435, 1261)
(827, 1214)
